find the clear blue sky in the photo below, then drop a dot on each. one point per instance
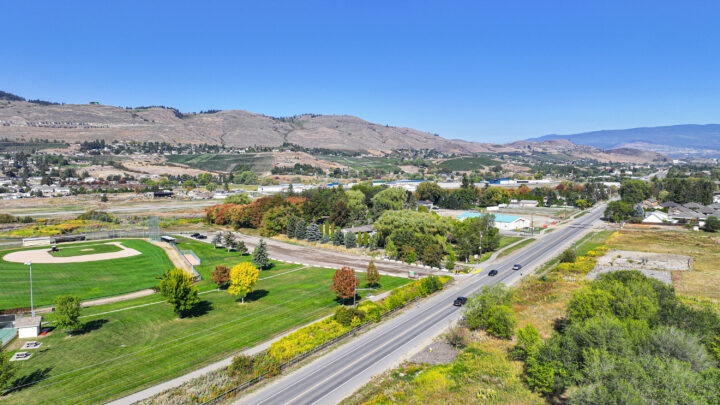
(477, 70)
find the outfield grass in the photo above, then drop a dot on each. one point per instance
(127, 350)
(85, 250)
(212, 257)
(86, 280)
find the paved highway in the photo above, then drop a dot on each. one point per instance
(336, 375)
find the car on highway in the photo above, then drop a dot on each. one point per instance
(197, 235)
(460, 301)
(493, 273)
(517, 266)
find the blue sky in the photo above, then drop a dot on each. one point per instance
(476, 70)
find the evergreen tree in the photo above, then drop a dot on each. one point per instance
(338, 238)
(260, 256)
(325, 239)
(241, 248)
(229, 240)
(350, 240)
(373, 242)
(217, 239)
(300, 229)
(290, 227)
(313, 232)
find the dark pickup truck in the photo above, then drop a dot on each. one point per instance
(460, 301)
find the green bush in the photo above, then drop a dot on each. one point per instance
(501, 322)
(344, 315)
(528, 341)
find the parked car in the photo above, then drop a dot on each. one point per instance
(460, 301)
(201, 236)
(517, 266)
(197, 235)
(493, 273)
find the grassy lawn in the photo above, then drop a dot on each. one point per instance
(85, 250)
(125, 351)
(212, 257)
(516, 247)
(86, 280)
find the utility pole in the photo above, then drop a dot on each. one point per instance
(32, 306)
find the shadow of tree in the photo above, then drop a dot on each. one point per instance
(200, 309)
(30, 379)
(256, 295)
(90, 326)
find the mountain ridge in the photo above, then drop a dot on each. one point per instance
(675, 140)
(21, 119)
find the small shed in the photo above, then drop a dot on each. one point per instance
(28, 327)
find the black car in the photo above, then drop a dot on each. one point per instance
(460, 301)
(201, 236)
(197, 235)
(493, 273)
(517, 267)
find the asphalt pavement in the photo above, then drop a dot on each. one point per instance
(336, 375)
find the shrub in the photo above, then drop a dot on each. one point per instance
(528, 341)
(501, 322)
(305, 339)
(567, 256)
(344, 316)
(457, 337)
(241, 365)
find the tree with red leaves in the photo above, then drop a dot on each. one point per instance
(344, 283)
(221, 276)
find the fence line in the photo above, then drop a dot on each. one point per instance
(197, 276)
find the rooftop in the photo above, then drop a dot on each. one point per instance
(498, 217)
(28, 322)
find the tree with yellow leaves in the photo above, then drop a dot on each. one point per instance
(243, 278)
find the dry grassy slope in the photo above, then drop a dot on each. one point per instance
(75, 122)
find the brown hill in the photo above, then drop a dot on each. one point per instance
(236, 128)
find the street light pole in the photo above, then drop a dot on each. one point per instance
(32, 306)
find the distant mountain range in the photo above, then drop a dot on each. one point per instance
(27, 119)
(675, 140)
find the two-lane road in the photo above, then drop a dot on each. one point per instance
(334, 376)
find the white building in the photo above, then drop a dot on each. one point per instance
(502, 221)
(28, 327)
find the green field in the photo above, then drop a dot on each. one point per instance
(85, 250)
(259, 163)
(131, 349)
(359, 163)
(86, 280)
(468, 163)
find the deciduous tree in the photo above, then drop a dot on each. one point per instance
(67, 312)
(372, 276)
(178, 289)
(243, 278)
(344, 283)
(220, 276)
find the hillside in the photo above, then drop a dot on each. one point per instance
(674, 140)
(20, 119)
